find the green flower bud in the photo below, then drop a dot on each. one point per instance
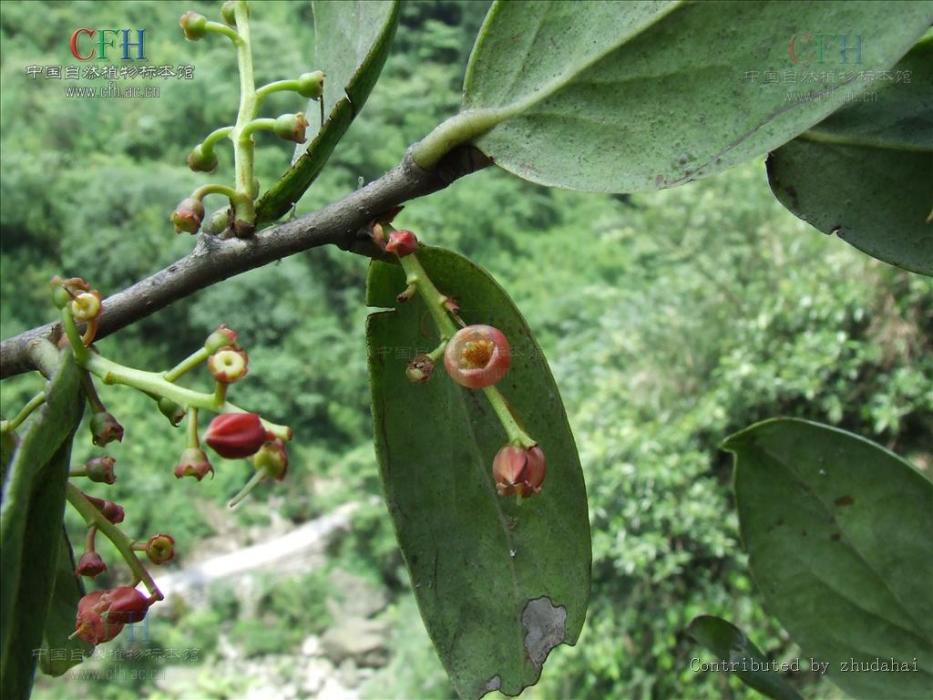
(311, 85)
(291, 127)
(228, 12)
(194, 25)
(201, 160)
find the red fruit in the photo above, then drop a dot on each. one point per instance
(105, 428)
(477, 356)
(126, 605)
(235, 435)
(402, 243)
(519, 471)
(90, 564)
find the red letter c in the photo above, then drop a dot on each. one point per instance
(74, 44)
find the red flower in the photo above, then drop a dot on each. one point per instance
(235, 435)
(519, 471)
(477, 356)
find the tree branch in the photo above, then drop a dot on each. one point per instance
(344, 224)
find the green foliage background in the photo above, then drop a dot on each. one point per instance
(670, 320)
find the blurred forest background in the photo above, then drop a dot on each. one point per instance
(670, 320)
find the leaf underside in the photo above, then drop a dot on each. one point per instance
(866, 172)
(635, 96)
(498, 583)
(838, 535)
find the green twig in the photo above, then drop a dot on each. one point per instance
(31, 405)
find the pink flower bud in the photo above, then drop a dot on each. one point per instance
(90, 564)
(105, 429)
(291, 127)
(477, 356)
(235, 435)
(518, 471)
(402, 243)
(221, 338)
(272, 459)
(193, 462)
(112, 511)
(160, 548)
(188, 215)
(100, 469)
(420, 369)
(228, 365)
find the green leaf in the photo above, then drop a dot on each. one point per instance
(498, 583)
(634, 96)
(59, 651)
(864, 173)
(30, 526)
(838, 536)
(745, 659)
(351, 44)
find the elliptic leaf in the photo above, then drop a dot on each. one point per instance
(633, 96)
(744, 659)
(499, 583)
(866, 172)
(31, 525)
(60, 622)
(838, 536)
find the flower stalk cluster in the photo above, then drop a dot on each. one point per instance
(240, 217)
(234, 433)
(477, 357)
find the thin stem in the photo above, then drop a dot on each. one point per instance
(31, 405)
(230, 32)
(81, 353)
(207, 145)
(186, 365)
(90, 391)
(124, 545)
(244, 492)
(266, 123)
(243, 145)
(154, 383)
(277, 86)
(193, 439)
(89, 540)
(516, 435)
(215, 188)
(78, 471)
(416, 275)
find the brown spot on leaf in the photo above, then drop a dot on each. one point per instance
(844, 501)
(835, 537)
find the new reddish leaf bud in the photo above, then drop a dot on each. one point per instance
(291, 127)
(160, 548)
(105, 429)
(91, 626)
(201, 160)
(90, 564)
(402, 243)
(311, 85)
(194, 25)
(112, 511)
(420, 369)
(221, 338)
(477, 356)
(86, 306)
(193, 462)
(272, 459)
(518, 471)
(188, 215)
(100, 469)
(171, 410)
(235, 435)
(228, 365)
